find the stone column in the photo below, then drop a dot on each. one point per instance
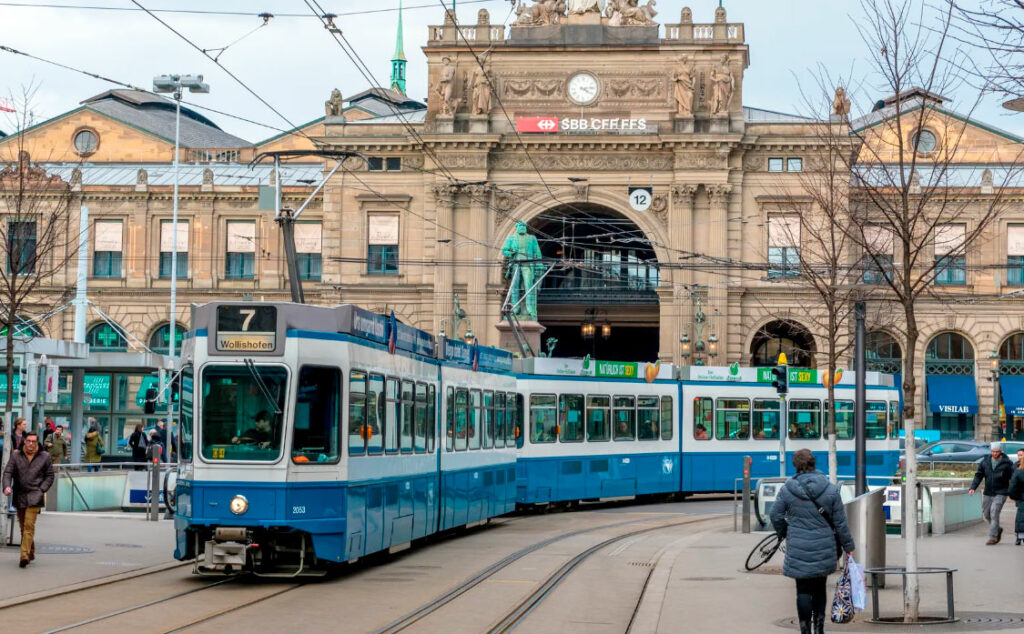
(444, 270)
(718, 294)
(680, 239)
(475, 302)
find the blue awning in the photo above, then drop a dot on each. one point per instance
(1012, 391)
(952, 394)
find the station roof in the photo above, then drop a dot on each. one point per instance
(191, 175)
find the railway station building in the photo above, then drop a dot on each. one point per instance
(668, 206)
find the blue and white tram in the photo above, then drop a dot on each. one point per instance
(597, 430)
(733, 412)
(269, 393)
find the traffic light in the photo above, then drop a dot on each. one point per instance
(780, 376)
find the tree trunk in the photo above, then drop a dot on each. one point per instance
(911, 595)
(833, 460)
(7, 422)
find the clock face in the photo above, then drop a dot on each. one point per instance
(582, 88)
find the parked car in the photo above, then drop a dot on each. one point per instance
(952, 451)
(1010, 448)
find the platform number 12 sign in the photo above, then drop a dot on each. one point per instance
(640, 198)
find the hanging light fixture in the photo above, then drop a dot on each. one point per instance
(712, 345)
(685, 340)
(606, 331)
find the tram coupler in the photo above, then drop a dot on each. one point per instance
(226, 552)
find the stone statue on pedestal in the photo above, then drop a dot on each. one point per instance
(683, 88)
(481, 88)
(523, 265)
(446, 87)
(586, 6)
(541, 13)
(335, 106)
(841, 103)
(722, 86)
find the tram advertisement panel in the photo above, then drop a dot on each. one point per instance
(250, 328)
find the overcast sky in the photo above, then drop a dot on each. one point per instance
(293, 63)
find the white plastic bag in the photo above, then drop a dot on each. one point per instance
(859, 592)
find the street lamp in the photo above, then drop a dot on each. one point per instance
(994, 377)
(175, 85)
(698, 347)
(455, 322)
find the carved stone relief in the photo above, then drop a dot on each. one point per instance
(719, 194)
(659, 205)
(683, 193)
(701, 160)
(521, 87)
(541, 13)
(754, 162)
(509, 161)
(462, 161)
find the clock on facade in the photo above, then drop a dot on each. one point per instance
(582, 88)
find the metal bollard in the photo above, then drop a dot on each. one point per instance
(747, 461)
(153, 457)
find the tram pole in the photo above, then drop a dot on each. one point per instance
(860, 398)
(783, 431)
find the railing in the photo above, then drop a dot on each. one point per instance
(717, 32)
(450, 33)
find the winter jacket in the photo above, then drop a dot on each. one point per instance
(57, 447)
(810, 541)
(92, 440)
(137, 442)
(29, 479)
(1016, 492)
(997, 478)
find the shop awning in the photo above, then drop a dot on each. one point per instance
(1012, 390)
(952, 394)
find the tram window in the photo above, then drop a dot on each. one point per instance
(406, 423)
(420, 417)
(543, 418)
(488, 422)
(317, 416)
(356, 412)
(475, 419)
(766, 418)
(518, 418)
(570, 417)
(666, 418)
(599, 414)
(391, 408)
(375, 406)
(499, 420)
(647, 418)
(449, 420)
(876, 424)
(243, 412)
(703, 414)
(844, 420)
(804, 419)
(625, 417)
(895, 420)
(733, 422)
(187, 412)
(461, 419)
(431, 417)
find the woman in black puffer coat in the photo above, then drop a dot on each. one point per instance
(810, 541)
(1017, 494)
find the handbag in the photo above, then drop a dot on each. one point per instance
(858, 588)
(828, 518)
(100, 449)
(842, 601)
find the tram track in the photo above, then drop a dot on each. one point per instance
(523, 609)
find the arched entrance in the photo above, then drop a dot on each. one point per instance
(952, 394)
(883, 353)
(1011, 387)
(783, 336)
(605, 302)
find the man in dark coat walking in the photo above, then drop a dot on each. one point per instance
(997, 470)
(1016, 492)
(807, 504)
(28, 475)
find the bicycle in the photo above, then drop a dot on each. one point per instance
(765, 550)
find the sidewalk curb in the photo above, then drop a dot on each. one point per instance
(88, 585)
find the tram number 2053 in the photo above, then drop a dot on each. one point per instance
(298, 510)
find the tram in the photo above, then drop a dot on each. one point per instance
(269, 391)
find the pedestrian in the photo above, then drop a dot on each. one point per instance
(1016, 492)
(161, 430)
(28, 475)
(18, 437)
(93, 446)
(154, 441)
(48, 428)
(997, 470)
(57, 445)
(809, 515)
(137, 441)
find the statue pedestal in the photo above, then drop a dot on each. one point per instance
(530, 330)
(719, 124)
(479, 124)
(591, 17)
(445, 124)
(684, 125)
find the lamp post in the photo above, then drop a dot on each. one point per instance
(994, 377)
(175, 85)
(698, 348)
(455, 322)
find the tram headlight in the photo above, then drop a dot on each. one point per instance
(239, 504)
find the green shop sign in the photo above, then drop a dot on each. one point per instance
(616, 369)
(97, 391)
(17, 387)
(797, 376)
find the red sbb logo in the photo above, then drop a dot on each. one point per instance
(537, 124)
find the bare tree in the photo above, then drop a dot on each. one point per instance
(36, 244)
(914, 211)
(997, 28)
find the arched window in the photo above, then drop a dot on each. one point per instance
(1011, 354)
(949, 353)
(23, 329)
(104, 337)
(783, 337)
(160, 341)
(883, 353)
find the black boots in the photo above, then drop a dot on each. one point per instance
(805, 627)
(819, 624)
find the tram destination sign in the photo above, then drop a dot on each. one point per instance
(246, 328)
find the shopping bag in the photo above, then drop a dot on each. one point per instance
(842, 602)
(859, 593)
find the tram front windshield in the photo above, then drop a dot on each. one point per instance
(242, 412)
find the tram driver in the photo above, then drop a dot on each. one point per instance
(259, 434)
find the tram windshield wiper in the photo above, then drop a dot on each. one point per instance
(251, 365)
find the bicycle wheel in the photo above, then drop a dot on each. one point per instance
(764, 551)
